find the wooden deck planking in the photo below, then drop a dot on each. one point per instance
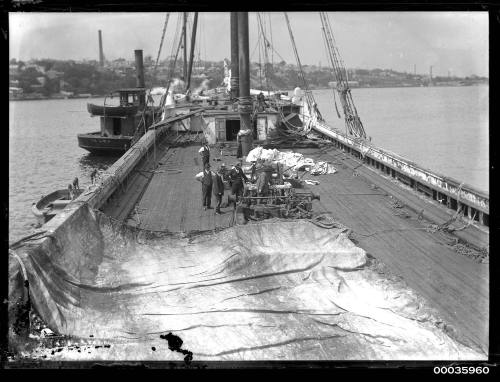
(173, 198)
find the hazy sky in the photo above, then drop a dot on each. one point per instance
(449, 41)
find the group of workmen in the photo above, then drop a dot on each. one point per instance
(74, 187)
(213, 182)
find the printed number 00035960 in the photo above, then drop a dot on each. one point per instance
(461, 370)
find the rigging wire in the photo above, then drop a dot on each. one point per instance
(161, 43)
(352, 120)
(309, 96)
(333, 88)
(265, 46)
(260, 59)
(271, 34)
(174, 62)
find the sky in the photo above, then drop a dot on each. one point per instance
(452, 42)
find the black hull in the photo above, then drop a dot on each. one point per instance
(97, 144)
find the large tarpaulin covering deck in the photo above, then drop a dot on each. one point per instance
(274, 290)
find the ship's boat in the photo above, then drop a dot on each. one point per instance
(49, 205)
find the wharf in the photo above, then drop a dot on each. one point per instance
(168, 198)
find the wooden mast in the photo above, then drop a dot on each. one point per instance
(245, 100)
(234, 56)
(191, 54)
(184, 72)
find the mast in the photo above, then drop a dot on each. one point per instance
(184, 72)
(245, 101)
(191, 54)
(234, 56)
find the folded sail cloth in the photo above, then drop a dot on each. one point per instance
(323, 168)
(290, 159)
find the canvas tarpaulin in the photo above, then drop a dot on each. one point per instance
(272, 290)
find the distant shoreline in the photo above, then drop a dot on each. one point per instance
(44, 98)
(27, 98)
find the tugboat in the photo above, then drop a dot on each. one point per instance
(121, 125)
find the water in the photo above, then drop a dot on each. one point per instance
(44, 155)
(444, 129)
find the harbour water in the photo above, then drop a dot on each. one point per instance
(444, 129)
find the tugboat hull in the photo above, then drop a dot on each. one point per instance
(98, 144)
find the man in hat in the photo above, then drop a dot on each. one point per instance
(237, 178)
(218, 188)
(261, 102)
(206, 187)
(205, 153)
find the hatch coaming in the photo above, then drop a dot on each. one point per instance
(224, 126)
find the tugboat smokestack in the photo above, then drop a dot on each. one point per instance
(140, 75)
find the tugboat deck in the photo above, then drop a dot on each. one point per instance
(168, 198)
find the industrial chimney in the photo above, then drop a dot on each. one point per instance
(101, 53)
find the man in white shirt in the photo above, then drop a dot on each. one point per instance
(206, 187)
(205, 154)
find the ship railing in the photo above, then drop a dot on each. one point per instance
(446, 190)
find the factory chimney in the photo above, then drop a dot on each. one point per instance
(101, 53)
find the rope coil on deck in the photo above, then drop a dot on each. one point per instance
(326, 220)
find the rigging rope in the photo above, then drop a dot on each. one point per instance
(309, 97)
(161, 43)
(352, 120)
(271, 33)
(172, 66)
(265, 46)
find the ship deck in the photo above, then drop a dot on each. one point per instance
(168, 198)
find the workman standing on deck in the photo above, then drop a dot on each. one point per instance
(263, 182)
(239, 150)
(237, 179)
(261, 102)
(206, 187)
(205, 154)
(218, 188)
